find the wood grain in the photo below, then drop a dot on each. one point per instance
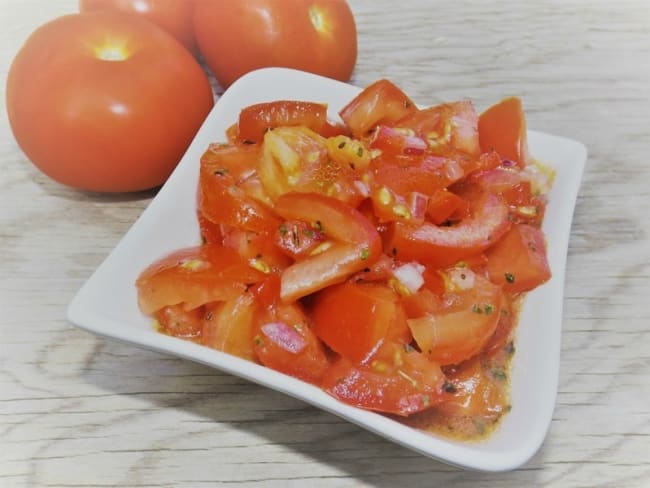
(78, 410)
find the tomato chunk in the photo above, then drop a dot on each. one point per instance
(174, 320)
(448, 126)
(222, 201)
(194, 276)
(502, 128)
(355, 243)
(479, 393)
(444, 206)
(459, 333)
(354, 319)
(406, 384)
(228, 326)
(444, 246)
(518, 261)
(255, 120)
(285, 342)
(379, 103)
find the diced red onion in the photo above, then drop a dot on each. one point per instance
(284, 336)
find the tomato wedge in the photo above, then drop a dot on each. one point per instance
(354, 319)
(228, 326)
(284, 339)
(445, 246)
(452, 336)
(479, 393)
(355, 243)
(409, 383)
(256, 120)
(222, 201)
(379, 103)
(502, 128)
(194, 276)
(445, 127)
(518, 261)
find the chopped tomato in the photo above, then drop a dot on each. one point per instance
(355, 243)
(354, 319)
(444, 246)
(285, 342)
(405, 384)
(396, 141)
(518, 261)
(445, 127)
(256, 248)
(222, 201)
(296, 159)
(299, 239)
(228, 326)
(210, 232)
(502, 128)
(256, 120)
(478, 392)
(425, 174)
(460, 331)
(235, 160)
(379, 103)
(193, 277)
(174, 320)
(445, 206)
(507, 321)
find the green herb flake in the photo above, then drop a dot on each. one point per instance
(426, 401)
(498, 374)
(365, 253)
(360, 152)
(510, 278)
(341, 145)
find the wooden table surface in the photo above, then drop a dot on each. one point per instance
(79, 410)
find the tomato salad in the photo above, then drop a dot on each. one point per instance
(383, 258)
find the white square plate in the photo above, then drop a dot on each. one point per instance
(107, 303)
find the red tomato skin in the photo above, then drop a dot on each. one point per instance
(221, 201)
(357, 243)
(174, 320)
(450, 336)
(502, 128)
(174, 16)
(86, 122)
(518, 262)
(194, 276)
(317, 36)
(381, 102)
(229, 326)
(353, 319)
(446, 126)
(255, 120)
(284, 339)
(445, 246)
(412, 386)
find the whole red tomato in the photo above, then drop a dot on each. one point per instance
(105, 101)
(175, 16)
(236, 37)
